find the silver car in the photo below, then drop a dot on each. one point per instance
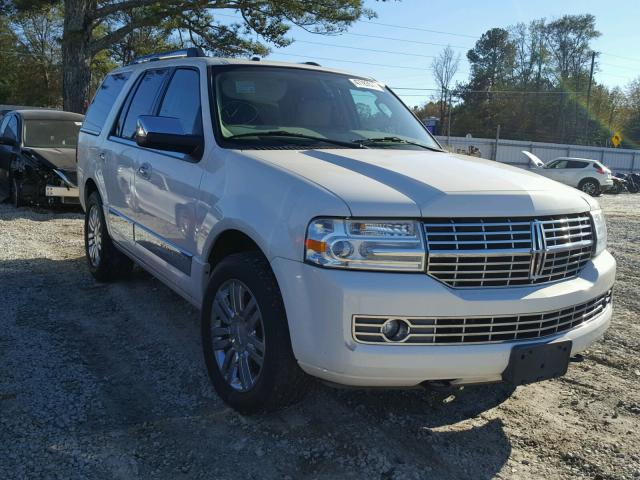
(588, 175)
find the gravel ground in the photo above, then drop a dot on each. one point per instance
(107, 381)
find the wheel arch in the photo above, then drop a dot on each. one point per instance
(90, 186)
(229, 242)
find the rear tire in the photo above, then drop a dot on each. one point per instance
(245, 337)
(590, 186)
(106, 262)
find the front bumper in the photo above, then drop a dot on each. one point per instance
(320, 304)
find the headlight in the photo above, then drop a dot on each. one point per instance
(365, 244)
(600, 228)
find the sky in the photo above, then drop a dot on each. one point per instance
(402, 59)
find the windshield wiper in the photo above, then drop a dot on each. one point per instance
(284, 133)
(368, 141)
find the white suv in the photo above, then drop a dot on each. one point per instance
(588, 175)
(324, 233)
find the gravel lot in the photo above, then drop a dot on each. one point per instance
(107, 381)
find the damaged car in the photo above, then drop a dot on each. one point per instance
(38, 157)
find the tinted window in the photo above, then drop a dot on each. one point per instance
(11, 128)
(103, 101)
(51, 133)
(576, 164)
(143, 101)
(182, 101)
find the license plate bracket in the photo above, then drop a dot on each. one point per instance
(537, 362)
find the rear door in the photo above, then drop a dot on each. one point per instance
(575, 171)
(167, 183)
(121, 153)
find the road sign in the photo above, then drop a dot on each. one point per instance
(616, 139)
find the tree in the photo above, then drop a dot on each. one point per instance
(39, 32)
(444, 68)
(92, 26)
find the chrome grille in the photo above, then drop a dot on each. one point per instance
(499, 252)
(492, 329)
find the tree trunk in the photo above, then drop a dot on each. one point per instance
(76, 54)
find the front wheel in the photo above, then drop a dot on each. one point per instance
(106, 262)
(245, 336)
(590, 186)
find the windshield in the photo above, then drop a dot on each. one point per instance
(259, 106)
(51, 133)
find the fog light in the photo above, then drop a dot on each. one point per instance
(395, 330)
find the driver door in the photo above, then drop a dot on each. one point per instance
(10, 129)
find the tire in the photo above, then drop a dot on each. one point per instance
(106, 262)
(590, 186)
(274, 379)
(16, 193)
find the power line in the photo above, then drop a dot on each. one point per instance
(417, 42)
(404, 27)
(442, 32)
(365, 49)
(351, 61)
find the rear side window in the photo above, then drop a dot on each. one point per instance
(142, 102)
(576, 164)
(182, 100)
(103, 102)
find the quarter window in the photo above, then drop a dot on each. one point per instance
(103, 102)
(182, 101)
(142, 102)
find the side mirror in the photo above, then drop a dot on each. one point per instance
(166, 133)
(11, 142)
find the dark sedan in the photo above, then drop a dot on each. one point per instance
(37, 156)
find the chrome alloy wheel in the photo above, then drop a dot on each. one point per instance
(94, 235)
(589, 188)
(237, 332)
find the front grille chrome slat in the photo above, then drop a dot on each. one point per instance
(481, 329)
(471, 253)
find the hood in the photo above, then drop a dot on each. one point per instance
(409, 183)
(534, 159)
(60, 158)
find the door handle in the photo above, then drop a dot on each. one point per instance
(145, 171)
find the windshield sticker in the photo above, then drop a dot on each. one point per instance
(245, 87)
(370, 84)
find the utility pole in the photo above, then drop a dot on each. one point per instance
(586, 123)
(449, 123)
(495, 149)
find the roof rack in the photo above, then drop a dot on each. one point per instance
(185, 52)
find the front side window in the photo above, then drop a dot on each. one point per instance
(558, 164)
(142, 102)
(182, 100)
(51, 133)
(278, 106)
(11, 128)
